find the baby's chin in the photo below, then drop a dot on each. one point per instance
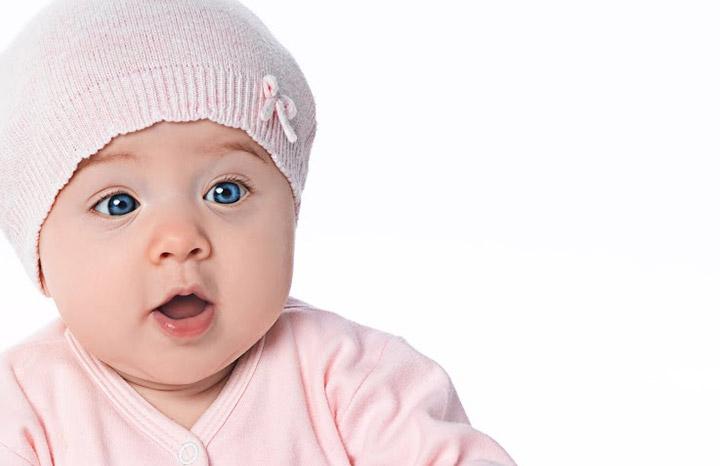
(145, 355)
(176, 373)
(166, 362)
(182, 382)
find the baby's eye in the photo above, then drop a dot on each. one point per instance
(225, 191)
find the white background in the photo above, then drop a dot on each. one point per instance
(527, 193)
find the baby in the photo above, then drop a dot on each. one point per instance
(152, 159)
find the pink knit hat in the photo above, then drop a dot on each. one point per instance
(84, 71)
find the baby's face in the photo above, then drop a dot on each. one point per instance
(108, 263)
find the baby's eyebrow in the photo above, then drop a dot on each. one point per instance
(212, 150)
(228, 146)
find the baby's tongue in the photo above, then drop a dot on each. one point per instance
(181, 307)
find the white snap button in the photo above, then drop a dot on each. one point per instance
(188, 453)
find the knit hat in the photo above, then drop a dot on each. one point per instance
(84, 71)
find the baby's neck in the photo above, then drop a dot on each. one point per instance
(194, 390)
(186, 404)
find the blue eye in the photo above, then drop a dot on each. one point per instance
(119, 201)
(226, 191)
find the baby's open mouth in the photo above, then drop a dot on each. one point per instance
(182, 307)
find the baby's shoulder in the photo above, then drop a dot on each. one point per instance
(346, 347)
(316, 326)
(33, 354)
(338, 351)
(31, 376)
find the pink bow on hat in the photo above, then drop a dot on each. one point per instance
(284, 105)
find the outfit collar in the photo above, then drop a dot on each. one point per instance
(145, 417)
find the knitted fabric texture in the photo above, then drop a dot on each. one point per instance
(84, 71)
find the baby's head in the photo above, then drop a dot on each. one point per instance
(195, 204)
(147, 146)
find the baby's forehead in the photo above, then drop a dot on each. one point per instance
(198, 137)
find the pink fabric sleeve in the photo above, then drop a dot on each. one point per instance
(20, 429)
(407, 412)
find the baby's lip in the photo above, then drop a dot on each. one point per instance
(194, 288)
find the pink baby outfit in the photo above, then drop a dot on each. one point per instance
(316, 389)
